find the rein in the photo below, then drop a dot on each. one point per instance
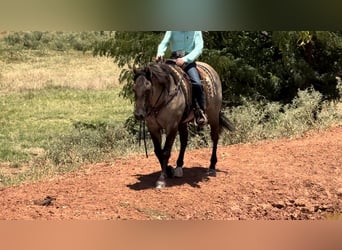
(142, 125)
(155, 108)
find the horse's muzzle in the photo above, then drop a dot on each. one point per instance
(139, 115)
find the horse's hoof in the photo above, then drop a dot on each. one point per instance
(212, 172)
(170, 172)
(160, 184)
(178, 172)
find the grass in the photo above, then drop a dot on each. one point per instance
(59, 110)
(30, 119)
(44, 100)
(40, 69)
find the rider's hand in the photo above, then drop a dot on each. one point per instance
(180, 61)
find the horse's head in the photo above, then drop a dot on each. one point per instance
(152, 76)
(142, 89)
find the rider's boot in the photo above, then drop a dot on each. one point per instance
(201, 118)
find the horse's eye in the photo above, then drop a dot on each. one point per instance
(148, 85)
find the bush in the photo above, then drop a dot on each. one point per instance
(265, 120)
(88, 142)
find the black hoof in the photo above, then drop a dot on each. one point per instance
(170, 172)
(212, 172)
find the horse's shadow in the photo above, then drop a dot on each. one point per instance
(192, 176)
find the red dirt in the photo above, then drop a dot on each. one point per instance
(278, 179)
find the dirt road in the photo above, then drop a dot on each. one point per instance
(280, 179)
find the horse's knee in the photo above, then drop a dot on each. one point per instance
(166, 154)
(158, 152)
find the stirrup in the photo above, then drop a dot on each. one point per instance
(200, 119)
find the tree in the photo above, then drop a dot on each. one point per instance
(127, 49)
(271, 66)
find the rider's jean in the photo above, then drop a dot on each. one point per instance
(197, 89)
(192, 72)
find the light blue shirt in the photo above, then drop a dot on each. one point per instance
(189, 41)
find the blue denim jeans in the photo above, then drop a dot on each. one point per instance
(192, 72)
(197, 89)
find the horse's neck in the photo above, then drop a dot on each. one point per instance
(176, 74)
(182, 82)
(158, 92)
(166, 86)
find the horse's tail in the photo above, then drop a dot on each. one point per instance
(225, 122)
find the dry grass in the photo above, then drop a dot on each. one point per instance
(43, 94)
(72, 69)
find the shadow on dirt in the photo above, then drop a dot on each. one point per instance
(192, 176)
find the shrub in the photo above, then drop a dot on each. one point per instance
(264, 120)
(89, 142)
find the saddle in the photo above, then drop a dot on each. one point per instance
(178, 72)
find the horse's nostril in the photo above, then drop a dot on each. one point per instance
(139, 116)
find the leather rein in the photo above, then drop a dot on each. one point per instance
(154, 109)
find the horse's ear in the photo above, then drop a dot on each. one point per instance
(148, 73)
(135, 70)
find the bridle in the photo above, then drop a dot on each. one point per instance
(154, 109)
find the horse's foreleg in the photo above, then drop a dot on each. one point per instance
(166, 153)
(156, 139)
(183, 136)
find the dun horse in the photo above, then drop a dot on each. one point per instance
(163, 100)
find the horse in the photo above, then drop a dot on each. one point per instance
(162, 98)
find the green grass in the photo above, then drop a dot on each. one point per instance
(29, 120)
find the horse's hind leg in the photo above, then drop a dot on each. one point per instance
(214, 133)
(183, 136)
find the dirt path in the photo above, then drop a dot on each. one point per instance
(281, 179)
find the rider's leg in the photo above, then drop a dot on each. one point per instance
(197, 91)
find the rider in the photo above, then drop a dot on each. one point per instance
(186, 47)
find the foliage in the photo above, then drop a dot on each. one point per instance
(87, 142)
(274, 65)
(259, 65)
(129, 49)
(262, 120)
